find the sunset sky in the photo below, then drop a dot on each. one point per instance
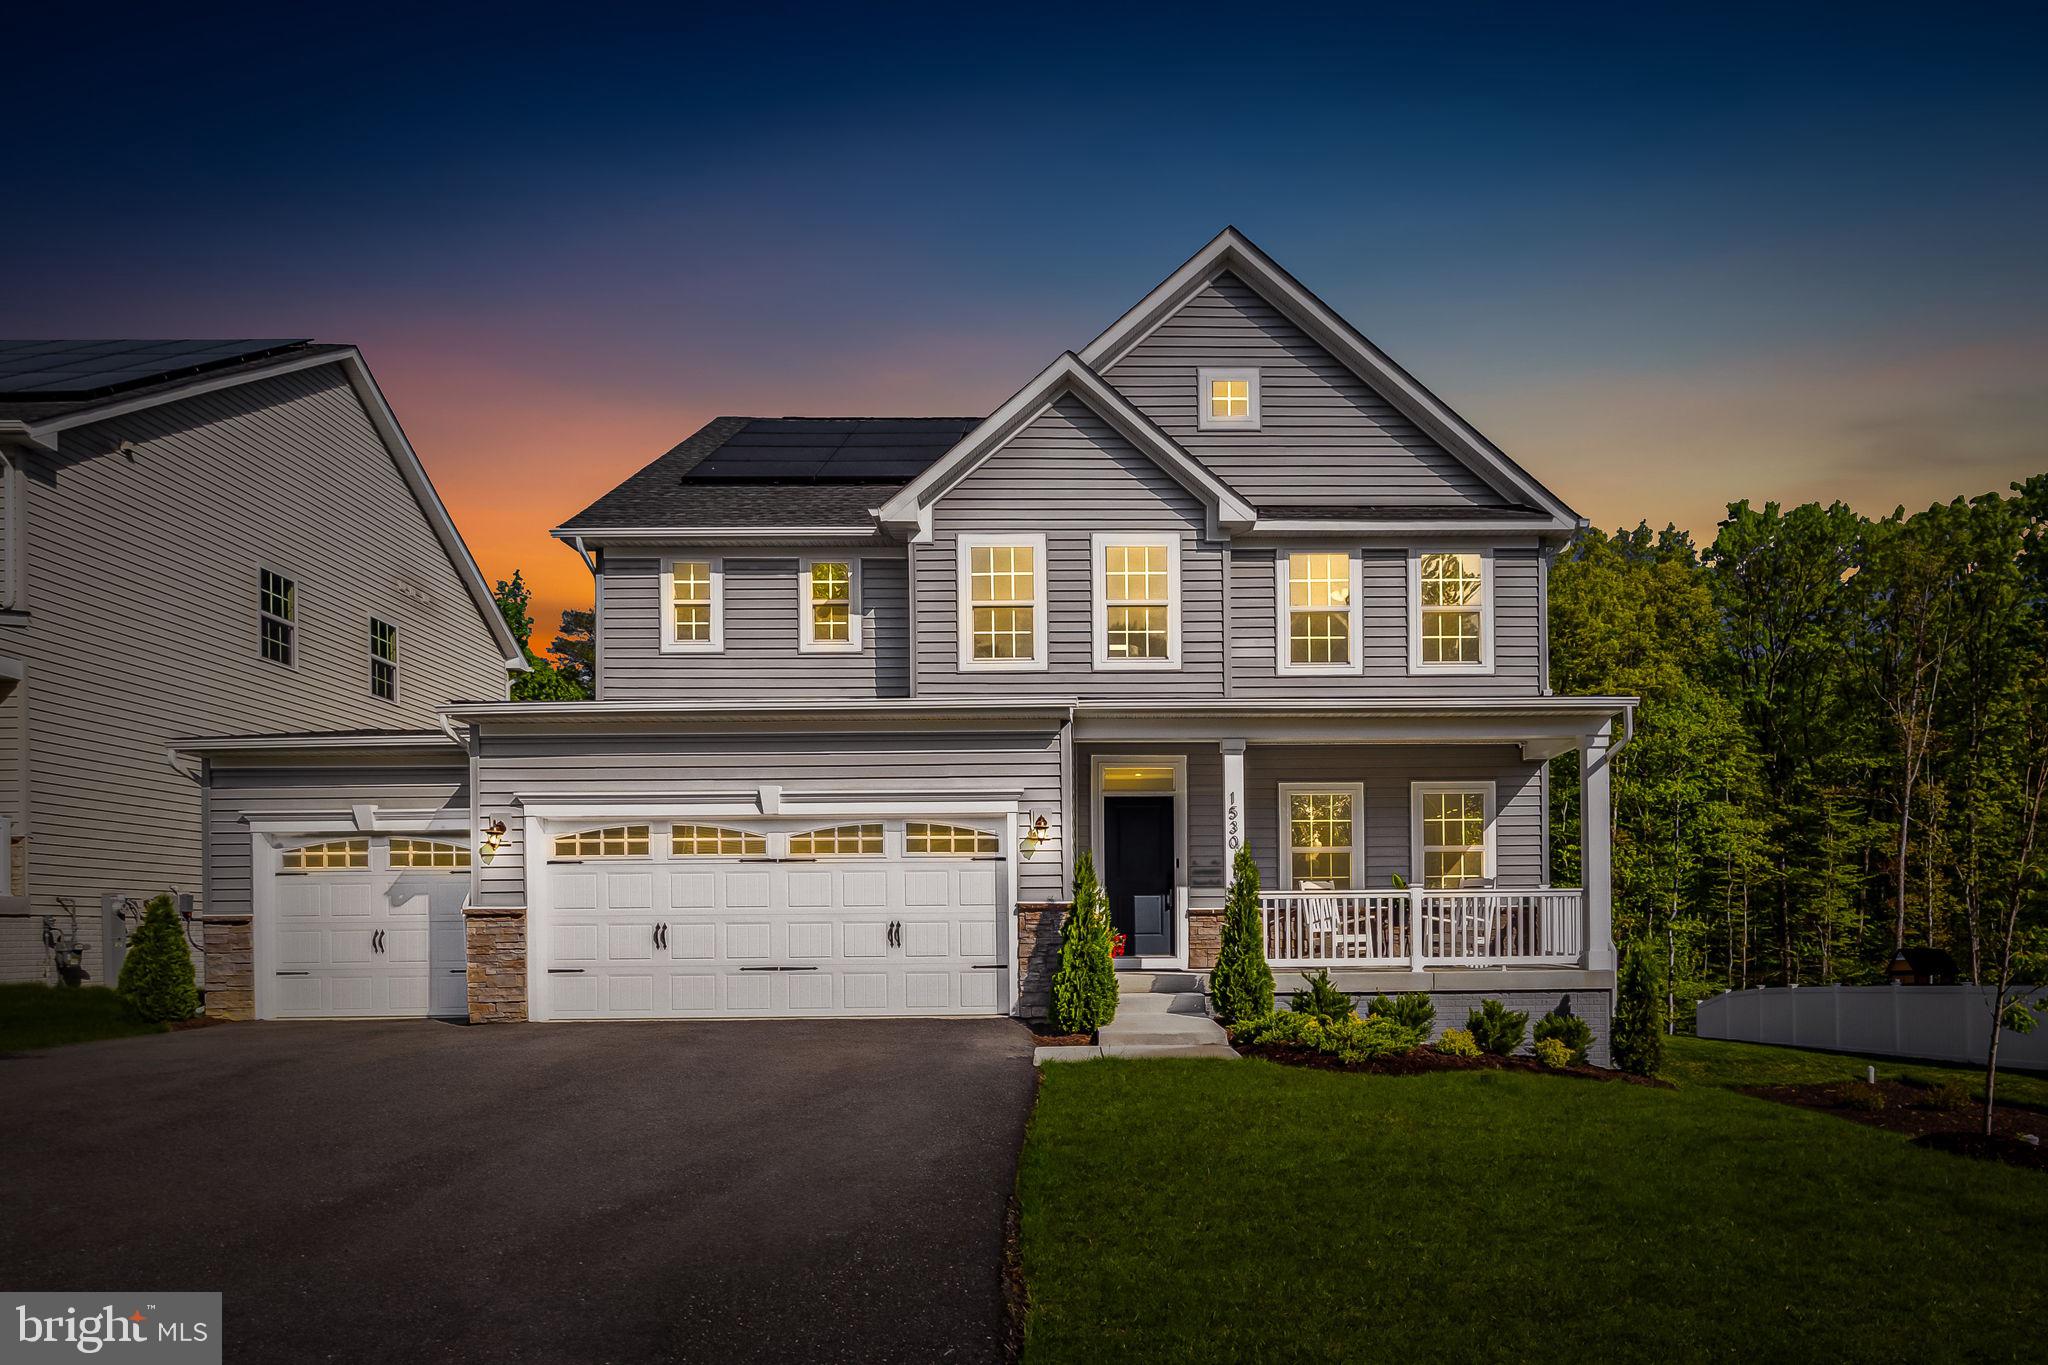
(1664, 262)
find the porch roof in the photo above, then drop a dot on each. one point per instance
(1543, 727)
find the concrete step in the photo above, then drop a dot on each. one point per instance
(1161, 1030)
(1041, 1055)
(1157, 983)
(1179, 1002)
(1218, 1051)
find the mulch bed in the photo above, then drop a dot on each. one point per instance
(1908, 1109)
(1043, 1036)
(1424, 1061)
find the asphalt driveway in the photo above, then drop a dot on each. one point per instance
(587, 1192)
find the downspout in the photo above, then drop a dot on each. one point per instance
(596, 617)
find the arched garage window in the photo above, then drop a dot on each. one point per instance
(614, 841)
(954, 840)
(333, 856)
(708, 841)
(841, 840)
(435, 854)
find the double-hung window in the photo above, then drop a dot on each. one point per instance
(1002, 602)
(383, 660)
(693, 612)
(1450, 608)
(1137, 601)
(829, 593)
(278, 602)
(1453, 834)
(1320, 824)
(1318, 592)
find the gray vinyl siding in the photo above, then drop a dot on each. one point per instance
(1324, 436)
(236, 796)
(1383, 632)
(142, 577)
(512, 768)
(1385, 771)
(1068, 475)
(761, 625)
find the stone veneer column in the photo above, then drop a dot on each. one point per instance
(230, 966)
(1205, 937)
(497, 964)
(1038, 951)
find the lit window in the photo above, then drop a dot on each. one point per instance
(1002, 590)
(831, 604)
(1137, 579)
(941, 839)
(690, 588)
(615, 841)
(1321, 610)
(1451, 826)
(1230, 399)
(428, 853)
(333, 856)
(1451, 610)
(383, 660)
(278, 599)
(1322, 836)
(840, 839)
(708, 841)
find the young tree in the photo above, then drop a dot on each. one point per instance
(1241, 984)
(541, 681)
(1084, 981)
(1638, 1043)
(156, 976)
(2017, 932)
(574, 649)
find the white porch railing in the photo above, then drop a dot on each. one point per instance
(1418, 929)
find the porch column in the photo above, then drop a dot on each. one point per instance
(1233, 805)
(1596, 854)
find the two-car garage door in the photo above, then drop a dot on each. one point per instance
(665, 919)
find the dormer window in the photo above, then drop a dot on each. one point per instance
(1230, 400)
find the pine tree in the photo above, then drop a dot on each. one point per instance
(156, 976)
(1638, 1039)
(1241, 985)
(1084, 981)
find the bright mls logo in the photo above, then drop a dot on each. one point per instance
(170, 1327)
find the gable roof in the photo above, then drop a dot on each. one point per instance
(106, 379)
(910, 509)
(1231, 251)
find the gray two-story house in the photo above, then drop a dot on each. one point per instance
(866, 687)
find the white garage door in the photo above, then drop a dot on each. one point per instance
(765, 918)
(368, 926)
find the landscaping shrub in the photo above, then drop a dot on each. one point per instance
(1638, 1042)
(1410, 1010)
(1457, 1042)
(1349, 1040)
(1084, 981)
(1496, 1028)
(1241, 985)
(1867, 1099)
(156, 976)
(1554, 1053)
(1322, 999)
(1948, 1096)
(1575, 1033)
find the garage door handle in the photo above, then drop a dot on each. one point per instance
(565, 971)
(377, 942)
(294, 973)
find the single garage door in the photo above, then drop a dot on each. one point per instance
(875, 917)
(369, 926)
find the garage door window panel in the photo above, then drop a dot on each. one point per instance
(947, 841)
(838, 841)
(612, 841)
(715, 841)
(336, 855)
(428, 855)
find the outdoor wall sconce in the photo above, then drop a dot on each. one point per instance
(494, 837)
(1035, 836)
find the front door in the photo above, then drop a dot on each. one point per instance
(1138, 871)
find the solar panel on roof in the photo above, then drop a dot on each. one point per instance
(79, 369)
(838, 449)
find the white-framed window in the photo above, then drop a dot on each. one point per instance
(438, 855)
(1002, 602)
(715, 841)
(837, 841)
(828, 595)
(1320, 827)
(692, 605)
(383, 660)
(1452, 834)
(1229, 400)
(922, 839)
(1318, 599)
(335, 855)
(613, 841)
(1137, 600)
(1450, 611)
(277, 601)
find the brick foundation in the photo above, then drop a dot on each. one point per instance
(497, 965)
(230, 967)
(1038, 951)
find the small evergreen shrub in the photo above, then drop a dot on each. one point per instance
(1322, 999)
(1084, 981)
(1864, 1099)
(1348, 1040)
(156, 976)
(1241, 984)
(1457, 1042)
(1496, 1028)
(1553, 1053)
(1411, 1010)
(1948, 1096)
(1575, 1033)
(1638, 1042)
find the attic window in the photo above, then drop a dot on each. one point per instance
(1230, 400)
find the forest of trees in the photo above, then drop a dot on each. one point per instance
(1842, 747)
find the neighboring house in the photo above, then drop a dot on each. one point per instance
(866, 686)
(199, 537)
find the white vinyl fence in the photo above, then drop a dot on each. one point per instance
(1926, 1023)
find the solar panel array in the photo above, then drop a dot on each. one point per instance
(832, 449)
(85, 369)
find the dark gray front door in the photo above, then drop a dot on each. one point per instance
(1137, 870)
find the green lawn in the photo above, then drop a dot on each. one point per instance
(1236, 1211)
(1698, 1061)
(45, 1016)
